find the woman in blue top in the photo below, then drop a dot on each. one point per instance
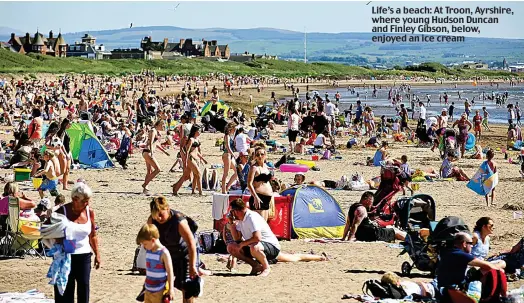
(483, 229)
(381, 154)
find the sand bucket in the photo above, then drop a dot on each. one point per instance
(314, 157)
(415, 186)
(37, 182)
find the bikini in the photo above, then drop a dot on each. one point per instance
(264, 200)
(147, 150)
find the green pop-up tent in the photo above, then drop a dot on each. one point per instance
(86, 148)
(220, 105)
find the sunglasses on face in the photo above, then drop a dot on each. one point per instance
(469, 243)
(260, 154)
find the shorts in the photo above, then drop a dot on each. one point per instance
(477, 128)
(264, 204)
(181, 272)
(153, 297)
(403, 125)
(292, 135)
(270, 251)
(48, 185)
(385, 234)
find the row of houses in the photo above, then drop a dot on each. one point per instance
(88, 48)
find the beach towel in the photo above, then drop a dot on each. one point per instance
(484, 180)
(220, 205)
(31, 296)
(60, 268)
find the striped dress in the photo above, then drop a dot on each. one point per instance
(156, 275)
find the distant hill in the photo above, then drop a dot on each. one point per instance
(349, 48)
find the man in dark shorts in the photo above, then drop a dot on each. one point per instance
(259, 245)
(360, 228)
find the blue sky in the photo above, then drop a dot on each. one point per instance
(329, 17)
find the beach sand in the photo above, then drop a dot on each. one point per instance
(121, 209)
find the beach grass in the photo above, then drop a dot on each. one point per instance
(13, 63)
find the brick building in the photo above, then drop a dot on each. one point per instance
(50, 46)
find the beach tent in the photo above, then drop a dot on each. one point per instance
(315, 213)
(220, 104)
(86, 148)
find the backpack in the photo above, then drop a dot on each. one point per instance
(208, 240)
(383, 291)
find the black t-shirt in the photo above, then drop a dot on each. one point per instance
(142, 104)
(170, 236)
(320, 124)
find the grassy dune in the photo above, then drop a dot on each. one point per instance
(12, 63)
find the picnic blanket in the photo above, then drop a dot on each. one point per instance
(31, 296)
(484, 180)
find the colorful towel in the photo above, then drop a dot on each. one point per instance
(60, 268)
(484, 180)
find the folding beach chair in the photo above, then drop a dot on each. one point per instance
(5, 236)
(25, 234)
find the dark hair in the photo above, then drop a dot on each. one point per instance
(404, 158)
(366, 196)
(490, 154)
(63, 127)
(52, 130)
(481, 222)
(450, 154)
(36, 112)
(237, 204)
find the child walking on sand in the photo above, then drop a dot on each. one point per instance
(159, 273)
(50, 172)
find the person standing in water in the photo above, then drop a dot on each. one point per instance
(485, 120)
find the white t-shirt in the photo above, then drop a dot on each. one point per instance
(254, 222)
(319, 141)
(293, 122)
(423, 112)
(330, 109)
(241, 144)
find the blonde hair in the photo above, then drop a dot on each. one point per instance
(146, 233)
(10, 189)
(229, 127)
(158, 204)
(390, 277)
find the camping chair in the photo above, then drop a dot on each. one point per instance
(5, 238)
(25, 234)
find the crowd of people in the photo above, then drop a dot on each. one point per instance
(128, 112)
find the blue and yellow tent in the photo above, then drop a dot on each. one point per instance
(315, 213)
(220, 104)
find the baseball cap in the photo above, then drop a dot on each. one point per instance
(444, 109)
(243, 154)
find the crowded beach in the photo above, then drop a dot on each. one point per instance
(141, 187)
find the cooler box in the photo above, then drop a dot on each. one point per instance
(280, 224)
(22, 174)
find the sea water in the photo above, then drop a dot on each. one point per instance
(382, 106)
